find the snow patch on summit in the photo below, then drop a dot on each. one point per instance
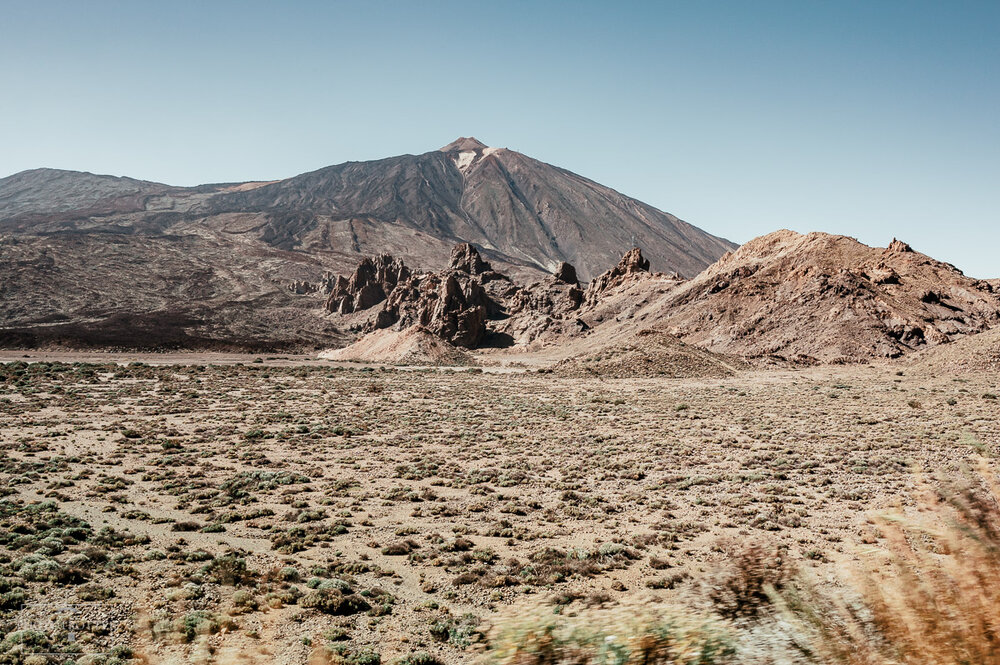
(465, 159)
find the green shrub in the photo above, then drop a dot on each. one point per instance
(229, 570)
(192, 624)
(616, 637)
(334, 601)
(459, 632)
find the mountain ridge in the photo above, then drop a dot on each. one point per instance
(522, 211)
(77, 248)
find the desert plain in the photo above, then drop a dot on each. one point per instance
(288, 509)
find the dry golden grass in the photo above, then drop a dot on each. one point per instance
(622, 636)
(929, 594)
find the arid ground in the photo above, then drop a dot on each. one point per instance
(282, 509)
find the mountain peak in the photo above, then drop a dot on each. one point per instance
(464, 143)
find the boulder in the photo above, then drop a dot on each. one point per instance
(566, 274)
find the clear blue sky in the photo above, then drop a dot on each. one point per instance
(868, 118)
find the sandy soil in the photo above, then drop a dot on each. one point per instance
(438, 497)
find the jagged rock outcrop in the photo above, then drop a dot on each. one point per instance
(451, 304)
(632, 265)
(897, 247)
(462, 304)
(301, 287)
(465, 258)
(547, 309)
(566, 274)
(453, 311)
(372, 282)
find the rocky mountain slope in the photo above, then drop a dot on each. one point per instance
(519, 210)
(972, 353)
(36, 194)
(82, 255)
(815, 297)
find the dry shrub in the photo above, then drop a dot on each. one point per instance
(651, 636)
(742, 588)
(929, 595)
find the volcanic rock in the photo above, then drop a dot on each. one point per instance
(452, 304)
(631, 266)
(372, 282)
(826, 297)
(465, 258)
(215, 261)
(898, 247)
(464, 303)
(566, 274)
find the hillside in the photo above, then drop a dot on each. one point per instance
(519, 210)
(42, 192)
(828, 298)
(87, 258)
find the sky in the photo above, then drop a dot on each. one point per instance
(873, 119)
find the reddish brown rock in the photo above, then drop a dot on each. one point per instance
(451, 304)
(632, 264)
(463, 304)
(897, 247)
(465, 258)
(826, 297)
(372, 282)
(566, 274)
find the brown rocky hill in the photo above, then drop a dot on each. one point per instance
(783, 297)
(93, 259)
(821, 297)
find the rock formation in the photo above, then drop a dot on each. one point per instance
(632, 265)
(372, 282)
(462, 304)
(566, 274)
(302, 287)
(465, 258)
(451, 305)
